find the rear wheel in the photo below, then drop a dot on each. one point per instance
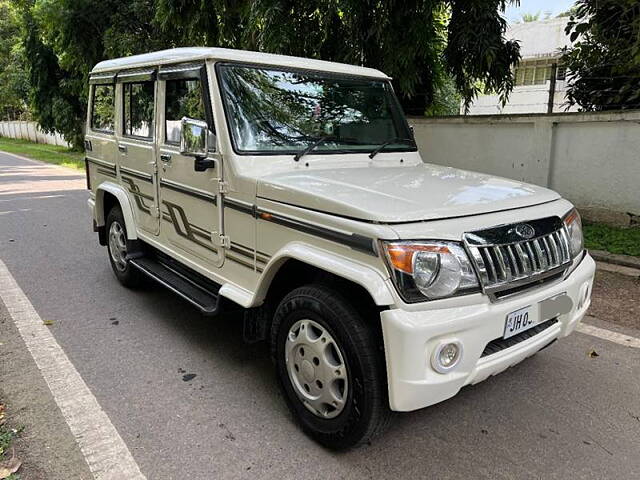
(329, 367)
(119, 248)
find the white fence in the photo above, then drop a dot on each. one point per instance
(26, 130)
(592, 159)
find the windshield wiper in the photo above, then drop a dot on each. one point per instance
(389, 142)
(310, 147)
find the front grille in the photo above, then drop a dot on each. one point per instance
(500, 344)
(503, 259)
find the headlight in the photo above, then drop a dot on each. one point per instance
(574, 228)
(430, 269)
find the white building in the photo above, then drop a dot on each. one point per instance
(541, 45)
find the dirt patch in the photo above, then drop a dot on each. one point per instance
(616, 299)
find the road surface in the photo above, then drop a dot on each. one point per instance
(190, 400)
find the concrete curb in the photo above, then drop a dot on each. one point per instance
(621, 269)
(624, 260)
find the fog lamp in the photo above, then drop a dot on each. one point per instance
(446, 356)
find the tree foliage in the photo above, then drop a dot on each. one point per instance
(14, 91)
(55, 95)
(425, 45)
(477, 55)
(604, 63)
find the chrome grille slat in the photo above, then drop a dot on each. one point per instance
(558, 239)
(514, 261)
(481, 264)
(534, 262)
(524, 259)
(564, 242)
(502, 265)
(491, 270)
(515, 268)
(547, 250)
(542, 260)
(554, 250)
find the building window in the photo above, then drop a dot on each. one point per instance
(537, 72)
(183, 99)
(102, 108)
(138, 109)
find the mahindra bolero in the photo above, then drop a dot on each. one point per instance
(293, 190)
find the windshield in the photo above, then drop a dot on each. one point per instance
(272, 111)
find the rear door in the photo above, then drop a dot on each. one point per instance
(189, 217)
(136, 145)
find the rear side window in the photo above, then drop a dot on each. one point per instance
(183, 99)
(102, 111)
(138, 109)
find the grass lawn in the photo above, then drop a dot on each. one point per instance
(625, 241)
(43, 152)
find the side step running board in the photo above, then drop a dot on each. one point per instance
(199, 296)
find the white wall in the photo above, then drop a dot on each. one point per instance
(26, 130)
(524, 99)
(590, 158)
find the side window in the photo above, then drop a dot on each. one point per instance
(138, 109)
(183, 99)
(102, 111)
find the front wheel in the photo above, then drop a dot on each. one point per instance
(119, 248)
(329, 367)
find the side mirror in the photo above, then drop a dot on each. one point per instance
(194, 137)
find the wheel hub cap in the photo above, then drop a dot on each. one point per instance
(317, 369)
(118, 246)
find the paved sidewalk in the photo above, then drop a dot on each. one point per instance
(46, 447)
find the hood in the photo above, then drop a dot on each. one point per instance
(400, 193)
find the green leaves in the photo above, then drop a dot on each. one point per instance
(477, 54)
(431, 48)
(604, 63)
(13, 94)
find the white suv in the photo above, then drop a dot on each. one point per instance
(293, 188)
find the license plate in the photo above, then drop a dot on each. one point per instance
(519, 321)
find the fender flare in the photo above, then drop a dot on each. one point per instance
(123, 199)
(367, 277)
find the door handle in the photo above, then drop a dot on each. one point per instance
(165, 157)
(122, 148)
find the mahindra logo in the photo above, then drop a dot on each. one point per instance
(524, 230)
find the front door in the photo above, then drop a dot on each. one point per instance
(189, 214)
(137, 151)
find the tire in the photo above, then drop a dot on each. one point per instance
(119, 247)
(305, 317)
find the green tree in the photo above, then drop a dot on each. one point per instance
(54, 94)
(409, 41)
(13, 76)
(425, 45)
(64, 39)
(477, 54)
(604, 64)
(567, 13)
(530, 17)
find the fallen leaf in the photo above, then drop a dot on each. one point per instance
(47, 322)
(9, 466)
(593, 354)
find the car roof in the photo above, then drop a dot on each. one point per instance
(191, 54)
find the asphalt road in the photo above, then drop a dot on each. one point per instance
(561, 414)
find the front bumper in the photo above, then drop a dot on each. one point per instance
(410, 337)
